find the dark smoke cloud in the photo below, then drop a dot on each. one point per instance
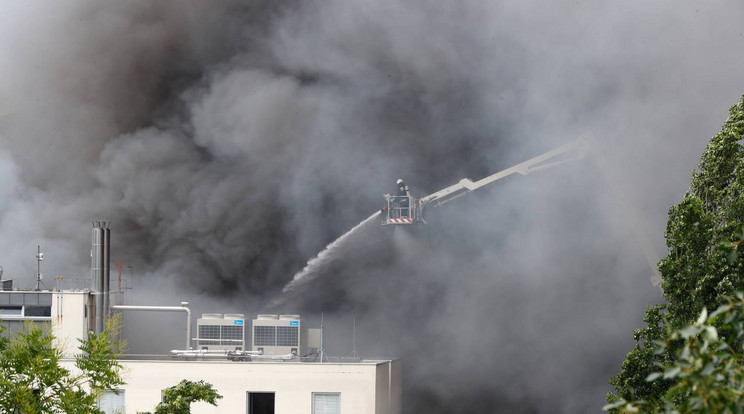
(230, 141)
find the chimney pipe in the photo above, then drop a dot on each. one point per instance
(106, 271)
(100, 267)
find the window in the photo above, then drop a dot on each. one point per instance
(286, 335)
(264, 335)
(259, 402)
(25, 305)
(111, 403)
(29, 310)
(326, 403)
(26, 311)
(11, 310)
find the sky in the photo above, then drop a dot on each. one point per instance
(228, 142)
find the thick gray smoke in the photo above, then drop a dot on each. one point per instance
(230, 141)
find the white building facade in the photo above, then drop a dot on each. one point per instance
(367, 387)
(250, 387)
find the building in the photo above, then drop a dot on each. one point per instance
(261, 387)
(269, 378)
(66, 311)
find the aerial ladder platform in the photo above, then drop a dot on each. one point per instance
(404, 209)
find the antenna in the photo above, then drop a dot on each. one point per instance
(322, 352)
(39, 259)
(354, 352)
(5, 284)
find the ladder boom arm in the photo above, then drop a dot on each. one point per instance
(547, 160)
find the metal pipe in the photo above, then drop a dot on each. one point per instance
(182, 308)
(106, 251)
(96, 266)
(212, 353)
(322, 352)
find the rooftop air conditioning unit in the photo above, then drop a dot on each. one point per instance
(222, 333)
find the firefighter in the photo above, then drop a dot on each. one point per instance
(402, 187)
(403, 198)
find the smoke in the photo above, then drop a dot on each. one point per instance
(229, 142)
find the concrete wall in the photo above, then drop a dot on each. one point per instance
(365, 388)
(389, 394)
(66, 314)
(68, 320)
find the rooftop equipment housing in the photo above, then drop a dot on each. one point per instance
(278, 335)
(223, 333)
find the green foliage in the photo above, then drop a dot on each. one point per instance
(98, 360)
(178, 399)
(639, 363)
(697, 274)
(707, 371)
(33, 381)
(704, 264)
(733, 248)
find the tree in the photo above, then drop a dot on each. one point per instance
(698, 272)
(178, 399)
(707, 371)
(32, 379)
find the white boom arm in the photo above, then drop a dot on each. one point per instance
(547, 160)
